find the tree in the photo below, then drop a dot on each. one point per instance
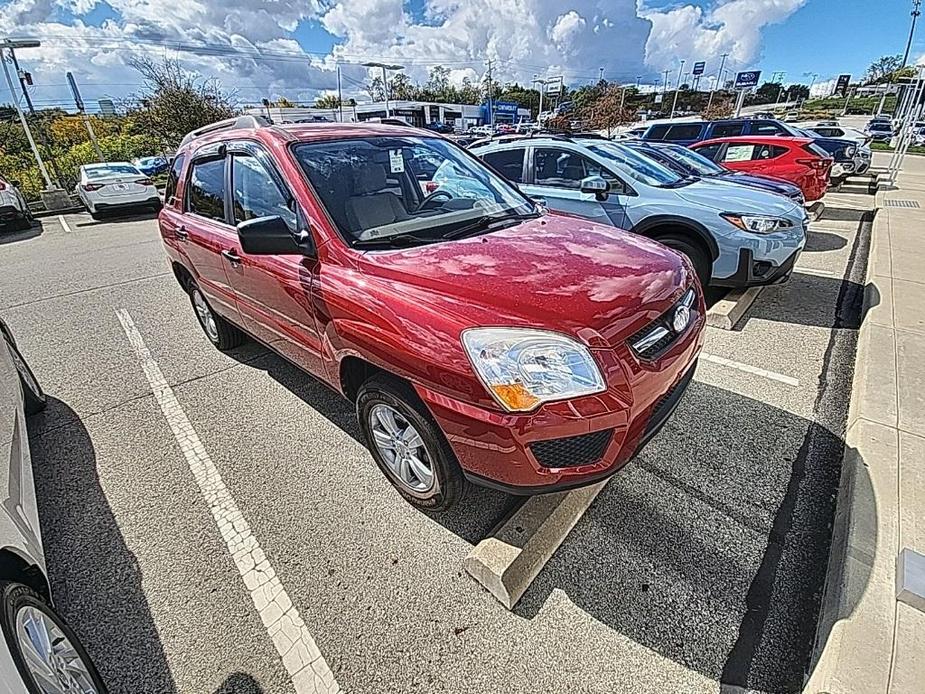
(607, 111)
(283, 102)
(881, 69)
(175, 102)
(375, 89)
(401, 88)
(797, 92)
(767, 93)
(327, 101)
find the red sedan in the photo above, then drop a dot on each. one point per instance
(793, 159)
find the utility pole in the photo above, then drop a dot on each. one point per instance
(622, 97)
(22, 117)
(385, 80)
(811, 83)
(340, 96)
(916, 4)
(638, 77)
(665, 88)
(719, 78)
(677, 88)
(600, 74)
(79, 102)
(491, 110)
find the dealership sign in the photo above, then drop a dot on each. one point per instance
(747, 79)
(841, 86)
(698, 68)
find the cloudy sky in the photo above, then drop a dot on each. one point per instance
(290, 48)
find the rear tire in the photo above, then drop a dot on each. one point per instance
(24, 617)
(694, 252)
(34, 399)
(435, 486)
(220, 332)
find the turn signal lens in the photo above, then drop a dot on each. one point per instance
(515, 397)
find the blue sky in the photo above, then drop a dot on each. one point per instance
(95, 39)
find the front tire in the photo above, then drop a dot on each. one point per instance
(408, 446)
(34, 399)
(220, 332)
(42, 646)
(699, 258)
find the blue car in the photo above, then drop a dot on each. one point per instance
(689, 163)
(734, 236)
(151, 166)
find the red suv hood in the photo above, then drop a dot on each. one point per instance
(556, 273)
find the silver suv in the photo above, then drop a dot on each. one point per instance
(734, 236)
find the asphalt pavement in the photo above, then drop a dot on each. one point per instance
(700, 563)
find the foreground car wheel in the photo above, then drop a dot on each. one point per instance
(220, 332)
(33, 396)
(407, 445)
(47, 653)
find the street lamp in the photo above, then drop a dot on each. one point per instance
(385, 79)
(10, 45)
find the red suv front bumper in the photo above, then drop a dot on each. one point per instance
(571, 443)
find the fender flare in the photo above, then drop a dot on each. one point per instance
(695, 228)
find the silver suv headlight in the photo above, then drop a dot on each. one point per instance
(757, 224)
(522, 368)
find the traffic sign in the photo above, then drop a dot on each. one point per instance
(699, 68)
(747, 79)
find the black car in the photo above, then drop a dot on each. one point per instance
(690, 163)
(439, 127)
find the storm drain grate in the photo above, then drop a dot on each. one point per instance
(912, 204)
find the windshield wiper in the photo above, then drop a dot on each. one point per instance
(394, 240)
(489, 223)
(681, 182)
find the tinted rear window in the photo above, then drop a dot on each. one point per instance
(656, 132)
(508, 162)
(205, 192)
(684, 132)
(727, 129)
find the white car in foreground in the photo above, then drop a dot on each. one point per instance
(39, 654)
(115, 185)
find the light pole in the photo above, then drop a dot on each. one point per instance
(719, 79)
(815, 76)
(11, 45)
(385, 79)
(916, 4)
(677, 88)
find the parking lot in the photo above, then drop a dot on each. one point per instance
(700, 563)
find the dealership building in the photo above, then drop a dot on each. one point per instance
(417, 113)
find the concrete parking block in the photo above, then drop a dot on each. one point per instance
(726, 312)
(507, 562)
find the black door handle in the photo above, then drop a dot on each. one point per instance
(232, 257)
(181, 233)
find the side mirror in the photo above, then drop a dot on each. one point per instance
(596, 185)
(272, 236)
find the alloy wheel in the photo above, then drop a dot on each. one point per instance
(402, 449)
(50, 656)
(204, 313)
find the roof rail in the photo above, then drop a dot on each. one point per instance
(238, 122)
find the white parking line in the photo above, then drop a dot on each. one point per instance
(814, 271)
(301, 658)
(64, 225)
(722, 361)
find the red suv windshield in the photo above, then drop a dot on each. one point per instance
(380, 188)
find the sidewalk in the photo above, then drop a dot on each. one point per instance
(868, 641)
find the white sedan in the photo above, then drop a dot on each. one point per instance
(115, 185)
(39, 654)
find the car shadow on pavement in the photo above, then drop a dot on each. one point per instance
(239, 683)
(95, 578)
(472, 520)
(22, 235)
(134, 216)
(811, 300)
(710, 548)
(822, 241)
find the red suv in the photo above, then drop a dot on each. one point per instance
(794, 159)
(480, 338)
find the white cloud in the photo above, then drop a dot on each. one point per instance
(728, 26)
(249, 44)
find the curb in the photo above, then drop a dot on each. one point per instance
(507, 562)
(726, 312)
(854, 632)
